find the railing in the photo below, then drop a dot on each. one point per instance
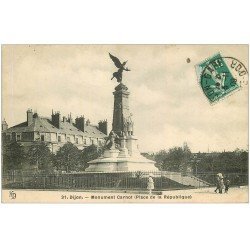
(113, 181)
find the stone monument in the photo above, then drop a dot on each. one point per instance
(123, 155)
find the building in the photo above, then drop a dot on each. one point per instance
(55, 131)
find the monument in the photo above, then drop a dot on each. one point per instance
(121, 149)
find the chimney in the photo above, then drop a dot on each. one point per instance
(103, 126)
(88, 122)
(4, 125)
(56, 119)
(29, 117)
(70, 120)
(80, 122)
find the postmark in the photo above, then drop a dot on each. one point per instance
(220, 76)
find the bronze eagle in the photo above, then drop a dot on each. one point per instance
(121, 68)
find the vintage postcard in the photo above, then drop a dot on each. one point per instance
(124, 123)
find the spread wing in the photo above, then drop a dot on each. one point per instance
(116, 61)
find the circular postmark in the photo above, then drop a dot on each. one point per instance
(220, 76)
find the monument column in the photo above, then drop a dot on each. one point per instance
(121, 112)
(128, 157)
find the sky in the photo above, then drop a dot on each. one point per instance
(168, 105)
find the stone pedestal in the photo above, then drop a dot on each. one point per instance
(111, 153)
(132, 146)
(121, 164)
(127, 158)
(124, 153)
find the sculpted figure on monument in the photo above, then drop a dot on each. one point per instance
(128, 125)
(111, 140)
(120, 66)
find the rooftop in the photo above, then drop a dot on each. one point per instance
(44, 124)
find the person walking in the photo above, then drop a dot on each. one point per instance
(150, 186)
(227, 184)
(221, 184)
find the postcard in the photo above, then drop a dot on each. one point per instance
(124, 123)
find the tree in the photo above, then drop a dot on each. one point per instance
(181, 159)
(40, 155)
(243, 161)
(67, 158)
(160, 159)
(175, 159)
(223, 162)
(187, 156)
(13, 156)
(90, 153)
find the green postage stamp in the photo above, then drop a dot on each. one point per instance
(220, 76)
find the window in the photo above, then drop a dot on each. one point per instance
(42, 137)
(68, 139)
(85, 141)
(99, 142)
(59, 138)
(92, 141)
(77, 141)
(18, 137)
